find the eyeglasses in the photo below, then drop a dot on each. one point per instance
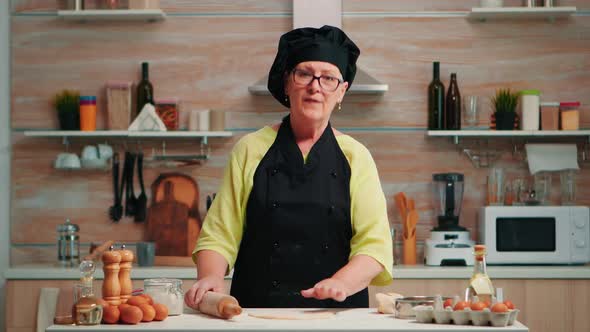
(328, 83)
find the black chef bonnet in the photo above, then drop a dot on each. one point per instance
(328, 44)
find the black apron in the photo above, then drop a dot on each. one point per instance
(298, 227)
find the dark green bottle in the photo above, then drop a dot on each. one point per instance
(145, 90)
(436, 100)
(453, 105)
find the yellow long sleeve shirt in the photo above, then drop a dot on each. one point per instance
(225, 222)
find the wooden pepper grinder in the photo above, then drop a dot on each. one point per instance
(125, 273)
(220, 305)
(111, 289)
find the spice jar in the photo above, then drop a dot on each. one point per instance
(167, 292)
(569, 115)
(529, 108)
(167, 110)
(68, 244)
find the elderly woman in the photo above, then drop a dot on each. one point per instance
(300, 216)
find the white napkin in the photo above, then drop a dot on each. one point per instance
(147, 120)
(551, 157)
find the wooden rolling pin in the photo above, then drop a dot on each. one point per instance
(220, 305)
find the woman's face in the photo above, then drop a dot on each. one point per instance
(314, 100)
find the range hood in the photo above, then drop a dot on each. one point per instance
(316, 13)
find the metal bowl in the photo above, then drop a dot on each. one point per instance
(404, 306)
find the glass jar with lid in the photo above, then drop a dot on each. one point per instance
(166, 291)
(68, 244)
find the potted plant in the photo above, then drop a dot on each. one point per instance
(504, 103)
(67, 104)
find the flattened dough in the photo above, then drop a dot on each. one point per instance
(293, 315)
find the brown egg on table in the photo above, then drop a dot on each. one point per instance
(110, 314)
(131, 315)
(103, 303)
(461, 305)
(149, 312)
(137, 300)
(148, 298)
(161, 311)
(509, 304)
(499, 307)
(478, 306)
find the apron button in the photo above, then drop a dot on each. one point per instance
(276, 245)
(334, 174)
(274, 171)
(275, 284)
(331, 210)
(275, 205)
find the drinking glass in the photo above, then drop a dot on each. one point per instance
(542, 185)
(470, 110)
(568, 187)
(496, 187)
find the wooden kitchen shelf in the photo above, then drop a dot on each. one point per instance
(550, 13)
(125, 133)
(150, 15)
(65, 134)
(507, 133)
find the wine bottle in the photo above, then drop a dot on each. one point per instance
(436, 100)
(453, 105)
(145, 90)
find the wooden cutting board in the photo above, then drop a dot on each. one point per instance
(170, 226)
(185, 190)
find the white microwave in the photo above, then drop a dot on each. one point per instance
(535, 234)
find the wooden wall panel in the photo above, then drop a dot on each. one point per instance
(207, 61)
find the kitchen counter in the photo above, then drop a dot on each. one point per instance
(364, 320)
(45, 272)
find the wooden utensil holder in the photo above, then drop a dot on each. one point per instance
(409, 254)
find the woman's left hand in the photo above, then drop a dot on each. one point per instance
(327, 289)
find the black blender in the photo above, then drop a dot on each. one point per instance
(449, 243)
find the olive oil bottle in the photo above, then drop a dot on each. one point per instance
(480, 284)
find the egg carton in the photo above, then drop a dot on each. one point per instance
(427, 314)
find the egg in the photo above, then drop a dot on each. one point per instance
(131, 314)
(103, 303)
(461, 305)
(499, 307)
(478, 306)
(149, 313)
(148, 298)
(161, 311)
(110, 314)
(137, 300)
(509, 304)
(448, 303)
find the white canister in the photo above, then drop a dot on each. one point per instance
(529, 109)
(491, 3)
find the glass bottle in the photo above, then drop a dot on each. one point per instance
(145, 89)
(166, 291)
(436, 100)
(87, 309)
(480, 284)
(453, 105)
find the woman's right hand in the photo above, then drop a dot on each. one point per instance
(195, 294)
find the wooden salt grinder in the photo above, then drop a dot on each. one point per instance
(125, 273)
(111, 289)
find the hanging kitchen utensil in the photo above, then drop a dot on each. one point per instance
(186, 190)
(141, 203)
(130, 199)
(169, 225)
(116, 211)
